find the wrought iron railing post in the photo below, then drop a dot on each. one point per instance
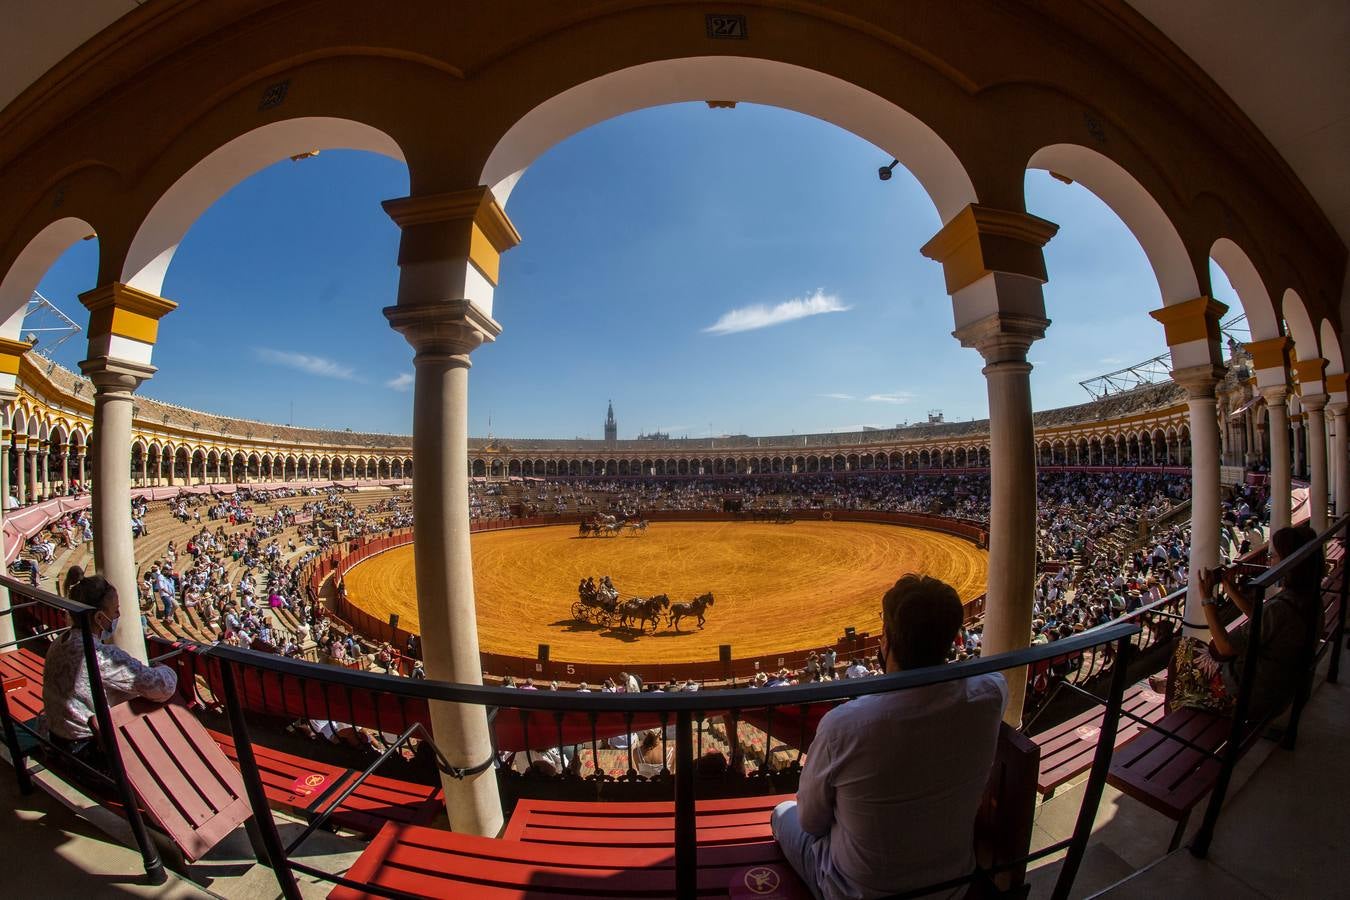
(257, 795)
(686, 823)
(1101, 763)
(107, 736)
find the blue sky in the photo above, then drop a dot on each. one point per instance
(711, 271)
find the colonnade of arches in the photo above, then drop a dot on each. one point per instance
(156, 464)
(967, 125)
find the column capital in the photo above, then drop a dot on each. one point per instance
(115, 376)
(448, 328)
(1338, 408)
(1276, 395)
(1311, 373)
(1191, 320)
(1336, 384)
(980, 240)
(466, 224)
(1199, 381)
(124, 322)
(1314, 403)
(1272, 353)
(1002, 337)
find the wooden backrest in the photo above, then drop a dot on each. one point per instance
(1003, 824)
(181, 776)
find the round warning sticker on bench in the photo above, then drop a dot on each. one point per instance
(1088, 732)
(305, 785)
(768, 881)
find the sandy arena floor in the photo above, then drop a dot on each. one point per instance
(776, 587)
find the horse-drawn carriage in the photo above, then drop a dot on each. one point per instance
(599, 604)
(604, 525)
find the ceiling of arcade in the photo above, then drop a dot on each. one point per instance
(973, 94)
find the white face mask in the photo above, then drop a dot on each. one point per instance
(106, 636)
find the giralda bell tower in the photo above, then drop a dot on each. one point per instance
(611, 427)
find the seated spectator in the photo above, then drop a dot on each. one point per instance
(66, 691)
(1289, 622)
(892, 783)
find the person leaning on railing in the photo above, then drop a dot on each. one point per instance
(1289, 623)
(66, 692)
(893, 781)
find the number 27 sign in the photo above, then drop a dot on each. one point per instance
(721, 26)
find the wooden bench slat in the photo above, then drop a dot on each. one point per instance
(438, 863)
(646, 837)
(644, 823)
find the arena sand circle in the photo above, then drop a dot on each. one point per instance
(776, 587)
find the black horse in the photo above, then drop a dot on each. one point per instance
(693, 608)
(643, 611)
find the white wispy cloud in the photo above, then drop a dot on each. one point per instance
(891, 397)
(400, 382)
(304, 362)
(837, 396)
(749, 318)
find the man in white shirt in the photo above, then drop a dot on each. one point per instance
(892, 783)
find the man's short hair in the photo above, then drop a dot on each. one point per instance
(922, 616)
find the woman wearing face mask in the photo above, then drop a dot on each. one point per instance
(66, 692)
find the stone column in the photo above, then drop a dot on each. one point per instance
(994, 269)
(1280, 470)
(1298, 446)
(1311, 374)
(145, 468)
(31, 457)
(44, 458)
(7, 396)
(1270, 360)
(1192, 330)
(448, 259)
(1340, 463)
(1317, 458)
(79, 463)
(123, 324)
(20, 479)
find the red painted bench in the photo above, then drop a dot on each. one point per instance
(305, 786)
(21, 672)
(428, 862)
(180, 776)
(577, 849)
(738, 820)
(1067, 749)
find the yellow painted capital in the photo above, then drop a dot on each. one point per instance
(124, 311)
(1310, 371)
(459, 223)
(1270, 354)
(11, 352)
(1337, 383)
(1192, 320)
(980, 240)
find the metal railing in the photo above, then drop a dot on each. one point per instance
(683, 708)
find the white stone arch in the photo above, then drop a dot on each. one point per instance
(1250, 288)
(1331, 348)
(1300, 326)
(163, 228)
(1136, 207)
(698, 78)
(22, 278)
